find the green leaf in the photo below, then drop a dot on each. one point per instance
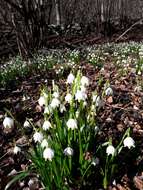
(16, 178)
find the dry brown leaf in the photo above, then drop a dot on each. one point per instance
(110, 99)
(138, 183)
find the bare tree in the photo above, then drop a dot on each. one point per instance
(29, 19)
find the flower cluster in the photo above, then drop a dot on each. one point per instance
(63, 142)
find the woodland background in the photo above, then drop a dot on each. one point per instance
(27, 25)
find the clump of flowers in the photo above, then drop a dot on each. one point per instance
(112, 155)
(65, 143)
(65, 125)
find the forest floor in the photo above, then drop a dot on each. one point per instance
(121, 65)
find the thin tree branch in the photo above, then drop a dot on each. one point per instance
(136, 23)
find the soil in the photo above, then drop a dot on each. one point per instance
(118, 113)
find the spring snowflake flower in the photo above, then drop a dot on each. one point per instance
(96, 99)
(68, 151)
(55, 103)
(16, 150)
(68, 98)
(110, 150)
(41, 101)
(83, 88)
(46, 125)
(84, 81)
(8, 122)
(129, 142)
(72, 124)
(80, 95)
(70, 78)
(77, 114)
(56, 94)
(38, 137)
(44, 143)
(26, 124)
(48, 154)
(47, 110)
(109, 91)
(62, 108)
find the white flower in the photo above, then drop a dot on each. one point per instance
(38, 137)
(83, 88)
(56, 95)
(80, 95)
(48, 154)
(129, 142)
(44, 143)
(68, 98)
(47, 110)
(72, 124)
(8, 122)
(45, 94)
(96, 129)
(46, 125)
(62, 108)
(139, 72)
(110, 150)
(97, 100)
(109, 91)
(114, 182)
(41, 101)
(84, 81)
(95, 161)
(16, 150)
(70, 78)
(84, 103)
(68, 151)
(26, 124)
(77, 114)
(55, 103)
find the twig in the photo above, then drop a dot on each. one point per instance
(128, 30)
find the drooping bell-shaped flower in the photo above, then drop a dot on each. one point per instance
(55, 103)
(16, 150)
(84, 81)
(48, 154)
(8, 122)
(110, 150)
(68, 98)
(72, 124)
(68, 151)
(42, 101)
(70, 78)
(38, 137)
(109, 91)
(46, 125)
(44, 143)
(129, 142)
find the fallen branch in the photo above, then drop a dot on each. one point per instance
(136, 23)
